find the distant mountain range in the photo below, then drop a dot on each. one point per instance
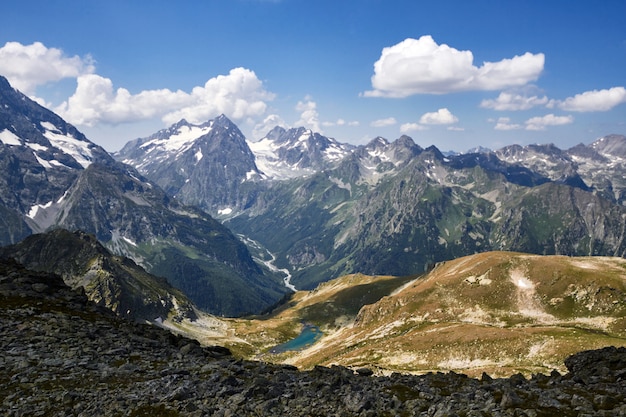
(325, 209)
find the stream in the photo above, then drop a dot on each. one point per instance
(269, 263)
(274, 268)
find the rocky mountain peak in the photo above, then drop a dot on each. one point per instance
(296, 152)
(386, 155)
(406, 141)
(377, 143)
(275, 133)
(435, 152)
(223, 120)
(613, 145)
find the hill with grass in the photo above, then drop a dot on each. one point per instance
(495, 312)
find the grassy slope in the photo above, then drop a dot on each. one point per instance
(498, 312)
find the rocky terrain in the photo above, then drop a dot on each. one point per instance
(63, 356)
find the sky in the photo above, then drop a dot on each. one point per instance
(454, 74)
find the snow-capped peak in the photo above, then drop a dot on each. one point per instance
(283, 154)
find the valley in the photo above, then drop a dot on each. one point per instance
(400, 258)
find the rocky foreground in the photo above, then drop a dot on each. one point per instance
(62, 356)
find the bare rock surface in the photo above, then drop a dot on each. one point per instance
(63, 356)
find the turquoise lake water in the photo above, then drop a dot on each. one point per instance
(309, 335)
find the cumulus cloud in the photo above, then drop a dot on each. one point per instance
(590, 101)
(389, 121)
(540, 123)
(440, 117)
(95, 101)
(504, 123)
(239, 95)
(309, 117)
(513, 102)
(29, 66)
(421, 66)
(411, 127)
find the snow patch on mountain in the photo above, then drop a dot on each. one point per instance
(269, 162)
(199, 155)
(9, 138)
(78, 149)
(41, 216)
(180, 141)
(32, 213)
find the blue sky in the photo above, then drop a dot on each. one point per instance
(455, 74)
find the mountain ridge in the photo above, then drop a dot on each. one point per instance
(114, 282)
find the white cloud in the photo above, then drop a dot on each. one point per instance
(421, 66)
(590, 101)
(389, 121)
(504, 123)
(29, 66)
(239, 95)
(456, 128)
(513, 102)
(411, 127)
(95, 101)
(540, 123)
(440, 117)
(309, 117)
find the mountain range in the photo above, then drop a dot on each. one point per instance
(53, 177)
(323, 209)
(237, 225)
(397, 248)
